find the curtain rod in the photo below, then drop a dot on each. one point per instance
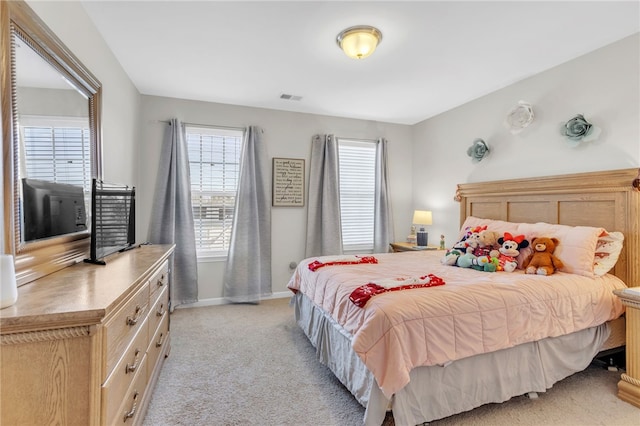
(206, 125)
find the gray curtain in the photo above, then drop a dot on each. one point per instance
(383, 233)
(324, 229)
(247, 275)
(172, 215)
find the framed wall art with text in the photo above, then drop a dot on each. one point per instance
(288, 182)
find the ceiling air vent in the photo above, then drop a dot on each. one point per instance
(290, 97)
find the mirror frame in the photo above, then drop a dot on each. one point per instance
(38, 258)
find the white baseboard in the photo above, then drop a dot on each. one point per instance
(222, 301)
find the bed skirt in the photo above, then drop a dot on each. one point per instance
(436, 392)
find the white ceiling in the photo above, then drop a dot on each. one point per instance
(433, 57)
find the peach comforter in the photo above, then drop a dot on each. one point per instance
(473, 313)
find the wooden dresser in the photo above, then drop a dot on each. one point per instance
(85, 345)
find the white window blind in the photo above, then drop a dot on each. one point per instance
(57, 150)
(214, 160)
(357, 161)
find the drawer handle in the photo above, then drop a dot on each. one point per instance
(160, 281)
(131, 368)
(132, 412)
(161, 341)
(136, 316)
(160, 312)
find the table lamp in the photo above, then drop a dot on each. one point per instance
(422, 218)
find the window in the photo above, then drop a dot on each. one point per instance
(357, 161)
(214, 162)
(57, 150)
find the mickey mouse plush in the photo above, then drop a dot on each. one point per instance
(510, 247)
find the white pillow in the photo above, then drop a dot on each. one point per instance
(608, 250)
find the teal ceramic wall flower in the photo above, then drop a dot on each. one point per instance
(478, 150)
(578, 129)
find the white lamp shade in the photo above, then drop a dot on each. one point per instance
(422, 217)
(359, 42)
(8, 286)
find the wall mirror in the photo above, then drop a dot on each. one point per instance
(51, 136)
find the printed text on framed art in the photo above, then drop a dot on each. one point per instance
(288, 182)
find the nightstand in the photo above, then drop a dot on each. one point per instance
(629, 384)
(397, 247)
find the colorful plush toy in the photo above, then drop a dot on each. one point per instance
(462, 244)
(451, 257)
(542, 261)
(482, 263)
(487, 243)
(510, 247)
(458, 249)
(473, 237)
(475, 250)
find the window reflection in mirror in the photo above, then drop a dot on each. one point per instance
(54, 148)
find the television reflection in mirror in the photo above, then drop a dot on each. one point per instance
(113, 219)
(51, 209)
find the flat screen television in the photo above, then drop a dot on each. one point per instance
(50, 209)
(113, 218)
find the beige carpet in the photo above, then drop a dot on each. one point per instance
(252, 365)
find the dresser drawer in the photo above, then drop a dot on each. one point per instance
(123, 326)
(130, 408)
(158, 344)
(123, 375)
(158, 311)
(159, 280)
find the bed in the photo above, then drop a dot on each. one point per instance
(477, 337)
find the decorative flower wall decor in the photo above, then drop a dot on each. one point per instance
(519, 117)
(478, 150)
(578, 129)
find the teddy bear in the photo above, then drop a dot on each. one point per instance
(510, 247)
(542, 261)
(487, 243)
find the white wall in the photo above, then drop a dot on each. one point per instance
(286, 135)
(603, 85)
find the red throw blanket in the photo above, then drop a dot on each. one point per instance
(316, 264)
(361, 295)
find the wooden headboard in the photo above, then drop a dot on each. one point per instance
(608, 199)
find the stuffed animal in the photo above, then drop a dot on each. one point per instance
(486, 264)
(487, 244)
(451, 256)
(542, 261)
(510, 247)
(471, 242)
(482, 263)
(462, 244)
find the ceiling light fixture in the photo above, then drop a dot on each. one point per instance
(360, 41)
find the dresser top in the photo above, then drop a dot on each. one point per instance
(84, 293)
